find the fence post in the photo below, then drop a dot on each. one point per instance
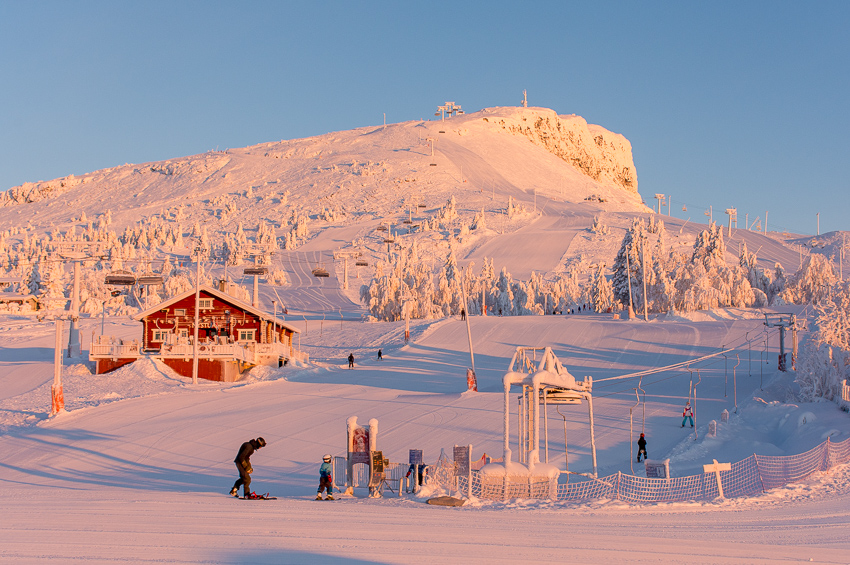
(827, 460)
(758, 470)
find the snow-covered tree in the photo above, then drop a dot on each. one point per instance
(825, 356)
(812, 282)
(601, 291)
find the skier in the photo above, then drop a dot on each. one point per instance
(325, 478)
(641, 447)
(351, 360)
(687, 414)
(419, 473)
(462, 314)
(243, 465)
(380, 355)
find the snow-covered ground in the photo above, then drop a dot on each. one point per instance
(138, 467)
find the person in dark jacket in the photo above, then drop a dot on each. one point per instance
(641, 447)
(243, 465)
(351, 360)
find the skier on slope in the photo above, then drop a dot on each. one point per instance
(687, 414)
(351, 360)
(243, 465)
(641, 447)
(325, 478)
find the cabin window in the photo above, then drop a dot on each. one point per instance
(159, 336)
(179, 311)
(184, 333)
(205, 303)
(246, 335)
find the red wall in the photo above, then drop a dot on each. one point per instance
(215, 317)
(108, 365)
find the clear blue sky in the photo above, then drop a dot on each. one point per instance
(725, 103)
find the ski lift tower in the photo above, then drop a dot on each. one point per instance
(450, 109)
(783, 321)
(733, 218)
(256, 270)
(660, 200)
(548, 382)
(345, 256)
(77, 251)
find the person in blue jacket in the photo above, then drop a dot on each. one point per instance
(326, 478)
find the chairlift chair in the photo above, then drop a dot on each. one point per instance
(256, 271)
(361, 263)
(120, 278)
(381, 228)
(149, 280)
(560, 396)
(320, 272)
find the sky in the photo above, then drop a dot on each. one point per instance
(726, 104)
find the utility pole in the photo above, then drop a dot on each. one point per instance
(629, 277)
(57, 397)
(643, 268)
(197, 316)
(765, 223)
(818, 216)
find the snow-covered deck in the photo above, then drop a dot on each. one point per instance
(250, 353)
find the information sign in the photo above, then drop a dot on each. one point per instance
(657, 469)
(463, 461)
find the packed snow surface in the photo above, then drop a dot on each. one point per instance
(138, 467)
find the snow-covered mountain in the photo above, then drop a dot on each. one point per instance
(367, 171)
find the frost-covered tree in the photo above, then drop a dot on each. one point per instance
(825, 356)
(812, 282)
(601, 291)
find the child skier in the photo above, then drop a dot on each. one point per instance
(687, 414)
(325, 478)
(641, 447)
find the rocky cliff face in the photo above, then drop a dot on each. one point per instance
(600, 154)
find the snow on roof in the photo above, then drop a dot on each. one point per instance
(224, 297)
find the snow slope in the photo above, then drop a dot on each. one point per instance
(138, 468)
(144, 478)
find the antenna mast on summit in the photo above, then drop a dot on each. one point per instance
(524, 99)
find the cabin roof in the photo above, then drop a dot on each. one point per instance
(224, 297)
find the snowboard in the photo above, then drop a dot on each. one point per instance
(255, 496)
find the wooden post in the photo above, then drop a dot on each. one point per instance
(716, 468)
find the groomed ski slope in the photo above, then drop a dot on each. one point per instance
(145, 479)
